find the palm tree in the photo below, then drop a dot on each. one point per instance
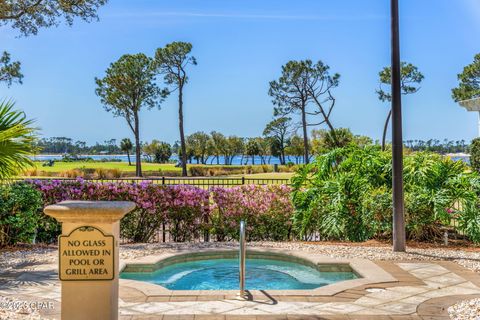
(16, 140)
(126, 146)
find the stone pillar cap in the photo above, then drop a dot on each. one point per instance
(89, 211)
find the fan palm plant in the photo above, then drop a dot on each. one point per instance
(17, 138)
(126, 146)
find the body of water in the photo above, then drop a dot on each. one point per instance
(237, 160)
(223, 274)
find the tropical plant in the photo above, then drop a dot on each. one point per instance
(346, 194)
(126, 146)
(17, 137)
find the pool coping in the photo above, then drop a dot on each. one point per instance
(369, 272)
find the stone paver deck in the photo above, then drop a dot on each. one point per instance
(423, 290)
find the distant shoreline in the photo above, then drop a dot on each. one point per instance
(79, 155)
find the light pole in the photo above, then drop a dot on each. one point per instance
(397, 140)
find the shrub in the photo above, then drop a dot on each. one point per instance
(346, 194)
(267, 210)
(114, 173)
(101, 173)
(185, 207)
(187, 211)
(19, 205)
(475, 154)
(31, 172)
(72, 173)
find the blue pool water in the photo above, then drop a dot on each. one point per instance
(222, 274)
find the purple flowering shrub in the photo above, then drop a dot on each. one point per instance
(185, 208)
(267, 210)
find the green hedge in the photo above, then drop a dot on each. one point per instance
(20, 215)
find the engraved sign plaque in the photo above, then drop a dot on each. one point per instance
(86, 254)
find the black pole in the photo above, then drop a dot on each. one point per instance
(397, 143)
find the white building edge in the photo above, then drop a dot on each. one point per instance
(472, 105)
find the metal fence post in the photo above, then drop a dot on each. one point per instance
(163, 232)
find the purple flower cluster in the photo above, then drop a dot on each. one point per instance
(187, 210)
(268, 211)
(156, 204)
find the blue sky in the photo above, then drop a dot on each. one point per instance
(240, 46)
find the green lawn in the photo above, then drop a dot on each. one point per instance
(269, 175)
(150, 169)
(123, 166)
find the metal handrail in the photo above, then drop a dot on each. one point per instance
(242, 256)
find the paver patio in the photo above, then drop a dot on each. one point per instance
(423, 290)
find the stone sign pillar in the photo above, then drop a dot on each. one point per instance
(88, 257)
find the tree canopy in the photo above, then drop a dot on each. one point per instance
(278, 130)
(158, 151)
(303, 83)
(9, 70)
(410, 81)
(28, 16)
(128, 86)
(469, 86)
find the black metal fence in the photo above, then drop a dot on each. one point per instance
(203, 182)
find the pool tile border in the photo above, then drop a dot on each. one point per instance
(370, 273)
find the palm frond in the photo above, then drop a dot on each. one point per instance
(17, 136)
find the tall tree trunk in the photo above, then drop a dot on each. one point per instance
(128, 156)
(385, 128)
(282, 152)
(138, 164)
(182, 135)
(305, 136)
(332, 132)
